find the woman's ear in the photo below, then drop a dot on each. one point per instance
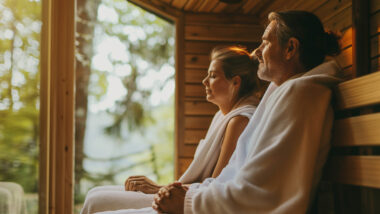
(291, 48)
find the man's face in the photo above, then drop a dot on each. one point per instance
(271, 56)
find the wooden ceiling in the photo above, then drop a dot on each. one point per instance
(247, 7)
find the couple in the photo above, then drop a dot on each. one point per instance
(278, 159)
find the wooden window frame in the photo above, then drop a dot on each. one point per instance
(57, 98)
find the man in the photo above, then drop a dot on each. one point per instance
(278, 159)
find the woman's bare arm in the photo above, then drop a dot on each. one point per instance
(233, 130)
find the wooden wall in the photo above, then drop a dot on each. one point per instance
(201, 33)
(374, 33)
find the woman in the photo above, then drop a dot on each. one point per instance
(233, 86)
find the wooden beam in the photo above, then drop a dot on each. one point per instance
(357, 131)
(356, 170)
(159, 8)
(358, 92)
(360, 35)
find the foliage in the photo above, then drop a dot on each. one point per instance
(20, 25)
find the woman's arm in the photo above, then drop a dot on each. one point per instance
(233, 130)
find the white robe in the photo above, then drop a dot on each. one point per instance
(278, 169)
(279, 157)
(106, 198)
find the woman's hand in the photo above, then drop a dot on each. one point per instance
(170, 199)
(142, 184)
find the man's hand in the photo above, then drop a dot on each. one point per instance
(142, 184)
(170, 199)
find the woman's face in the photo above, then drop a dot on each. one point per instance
(219, 90)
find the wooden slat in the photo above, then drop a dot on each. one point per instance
(375, 64)
(374, 6)
(332, 8)
(244, 33)
(192, 5)
(194, 136)
(208, 19)
(249, 5)
(179, 4)
(357, 131)
(207, 6)
(183, 164)
(375, 46)
(195, 75)
(359, 92)
(356, 170)
(344, 59)
(200, 108)
(277, 5)
(205, 47)
(341, 21)
(374, 24)
(346, 39)
(197, 61)
(308, 5)
(195, 90)
(158, 7)
(197, 122)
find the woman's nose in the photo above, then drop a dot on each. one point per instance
(204, 81)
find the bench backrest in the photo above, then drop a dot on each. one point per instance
(353, 169)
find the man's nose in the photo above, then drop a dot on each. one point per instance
(257, 52)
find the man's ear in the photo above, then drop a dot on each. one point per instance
(291, 48)
(236, 80)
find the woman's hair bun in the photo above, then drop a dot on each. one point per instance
(331, 43)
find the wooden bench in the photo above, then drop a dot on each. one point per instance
(352, 173)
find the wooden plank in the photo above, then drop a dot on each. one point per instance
(220, 7)
(278, 5)
(360, 37)
(195, 90)
(208, 19)
(160, 8)
(375, 64)
(375, 45)
(358, 92)
(197, 61)
(194, 136)
(356, 170)
(179, 4)
(188, 151)
(183, 164)
(346, 40)
(192, 5)
(197, 122)
(374, 24)
(374, 6)
(308, 5)
(341, 21)
(207, 6)
(200, 108)
(195, 75)
(205, 47)
(357, 131)
(331, 9)
(249, 5)
(344, 59)
(226, 32)
(180, 91)
(348, 73)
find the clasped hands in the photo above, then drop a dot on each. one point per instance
(168, 199)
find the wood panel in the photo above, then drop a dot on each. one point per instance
(359, 92)
(200, 108)
(308, 5)
(207, 19)
(356, 170)
(195, 90)
(195, 75)
(205, 47)
(375, 46)
(375, 64)
(183, 164)
(374, 6)
(340, 22)
(226, 32)
(374, 26)
(197, 61)
(331, 9)
(346, 40)
(344, 59)
(193, 137)
(197, 122)
(357, 131)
